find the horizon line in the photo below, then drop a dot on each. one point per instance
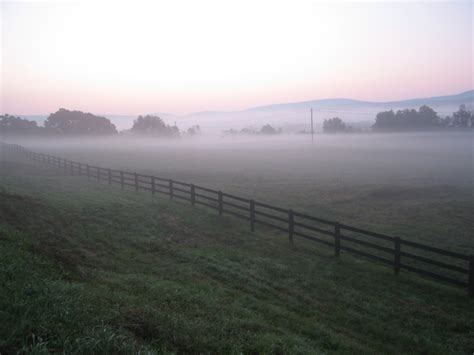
(259, 106)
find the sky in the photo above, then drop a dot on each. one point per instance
(135, 57)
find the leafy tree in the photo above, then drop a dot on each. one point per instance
(334, 125)
(407, 120)
(268, 130)
(17, 126)
(154, 126)
(76, 122)
(427, 117)
(385, 120)
(463, 118)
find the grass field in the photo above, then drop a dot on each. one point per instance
(417, 186)
(88, 268)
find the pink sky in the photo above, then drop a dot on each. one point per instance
(140, 57)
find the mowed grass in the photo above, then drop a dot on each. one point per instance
(88, 268)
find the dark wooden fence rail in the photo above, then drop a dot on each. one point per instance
(393, 251)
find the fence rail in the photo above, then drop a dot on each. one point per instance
(361, 242)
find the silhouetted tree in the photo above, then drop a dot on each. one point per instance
(76, 122)
(463, 118)
(11, 125)
(334, 125)
(268, 130)
(407, 120)
(153, 126)
(427, 117)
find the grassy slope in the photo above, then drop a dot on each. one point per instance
(412, 186)
(96, 269)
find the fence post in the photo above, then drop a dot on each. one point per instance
(171, 189)
(71, 165)
(252, 215)
(337, 240)
(220, 201)
(109, 176)
(88, 168)
(291, 225)
(153, 186)
(98, 173)
(135, 177)
(193, 195)
(396, 260)
(121, 179)
(79, 168)
(471, 275)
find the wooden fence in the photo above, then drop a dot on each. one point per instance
(443, 265)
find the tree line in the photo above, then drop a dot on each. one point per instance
(266, 130)
(67, 123)
(425, 118)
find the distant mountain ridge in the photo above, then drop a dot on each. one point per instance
(464, 96)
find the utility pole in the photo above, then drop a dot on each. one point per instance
(312, 129)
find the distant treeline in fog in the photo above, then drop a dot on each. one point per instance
(423, 119)
(266, 130)
(68, 123)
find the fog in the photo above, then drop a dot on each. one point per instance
(395, 182)
(444, 157)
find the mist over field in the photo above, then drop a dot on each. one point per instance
(352, 159)
(236, 177)
(350, 177)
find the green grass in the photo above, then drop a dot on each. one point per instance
(415, 186)
(88, 268)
